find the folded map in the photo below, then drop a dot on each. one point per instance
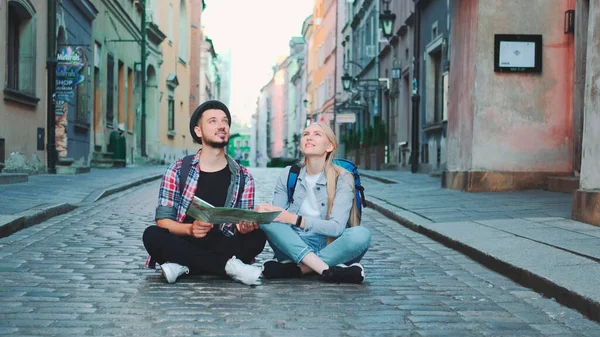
(203, 211)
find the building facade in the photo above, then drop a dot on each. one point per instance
(396, 66)
(509, 130)
(432, 85)
(323, 52)
(23, 103)
(196, 38)
(174, 84)
(73, 109)
(116, 86)
(586, 99)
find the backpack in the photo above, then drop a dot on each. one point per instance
(186, 165)
(359, 190)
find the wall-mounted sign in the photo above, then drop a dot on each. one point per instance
(518, 53)
(70, 62)
(345, 118)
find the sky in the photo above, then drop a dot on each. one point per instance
(256, 32)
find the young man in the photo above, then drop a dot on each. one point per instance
(183, 245)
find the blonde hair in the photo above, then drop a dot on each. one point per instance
(332, 172)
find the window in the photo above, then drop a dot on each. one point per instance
(82, 96)
(171, 110)
(170, 23)
(122, 87)
(20, 51)
(129, 99)
(439, 90)
(110, 82)
(183, 38)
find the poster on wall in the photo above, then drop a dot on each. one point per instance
(518, 53)
(70, 62)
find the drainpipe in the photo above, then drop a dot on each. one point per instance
(143, 61)
(51, 87)
(377, 110)
(414, 152)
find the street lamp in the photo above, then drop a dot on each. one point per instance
(387, 19)
(347, 81)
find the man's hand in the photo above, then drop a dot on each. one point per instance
(246, 227)
(199, 229)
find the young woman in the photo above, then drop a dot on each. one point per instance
(317, 231)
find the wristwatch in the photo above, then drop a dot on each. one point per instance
(298, 221)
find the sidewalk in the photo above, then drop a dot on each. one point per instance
(527, 235)
(45, 196)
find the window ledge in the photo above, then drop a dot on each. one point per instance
(20, 97)
(82, 125)
(171, 134)
(436, 127)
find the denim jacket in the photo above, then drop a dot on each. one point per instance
(342, 202)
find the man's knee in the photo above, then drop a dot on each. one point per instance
(152, 235)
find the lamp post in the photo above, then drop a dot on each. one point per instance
(347, 81)
(386, 19)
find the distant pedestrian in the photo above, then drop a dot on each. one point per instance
(317, 231)
(182, 245)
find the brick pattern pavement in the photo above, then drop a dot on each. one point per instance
(423, 195)
(48, 189)
(82, 274)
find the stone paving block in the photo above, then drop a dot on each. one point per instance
(408, 276)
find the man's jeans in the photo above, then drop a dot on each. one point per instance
(292, 243)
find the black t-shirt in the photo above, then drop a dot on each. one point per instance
(212, 188)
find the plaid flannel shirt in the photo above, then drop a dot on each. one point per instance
(172, 205)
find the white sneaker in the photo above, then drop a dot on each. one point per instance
(244, 273)
(171, 271)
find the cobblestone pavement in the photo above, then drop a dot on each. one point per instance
(82, 274)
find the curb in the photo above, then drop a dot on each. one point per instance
(545, 287)
(38, 215)
(380, 179)
(33, 217)
(97, 195)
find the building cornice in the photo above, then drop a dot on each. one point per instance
(154, 33)
(87, 8)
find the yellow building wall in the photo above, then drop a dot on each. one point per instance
(181, 143)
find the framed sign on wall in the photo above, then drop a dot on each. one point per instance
(518, 53)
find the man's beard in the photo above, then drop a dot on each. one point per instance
(216, 145)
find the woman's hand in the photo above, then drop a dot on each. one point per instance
(267, 208)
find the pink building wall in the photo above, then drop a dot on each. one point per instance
(509, 122)
(277, 110)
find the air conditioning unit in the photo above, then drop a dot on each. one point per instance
(370, 51)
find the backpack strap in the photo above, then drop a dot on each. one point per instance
(241, 187)
(361, 190)
(186, 165)
(292, 181)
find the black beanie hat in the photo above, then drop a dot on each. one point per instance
(198, 113)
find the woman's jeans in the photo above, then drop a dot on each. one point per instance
(292, 243)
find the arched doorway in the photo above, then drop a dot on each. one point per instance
(152, 143)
